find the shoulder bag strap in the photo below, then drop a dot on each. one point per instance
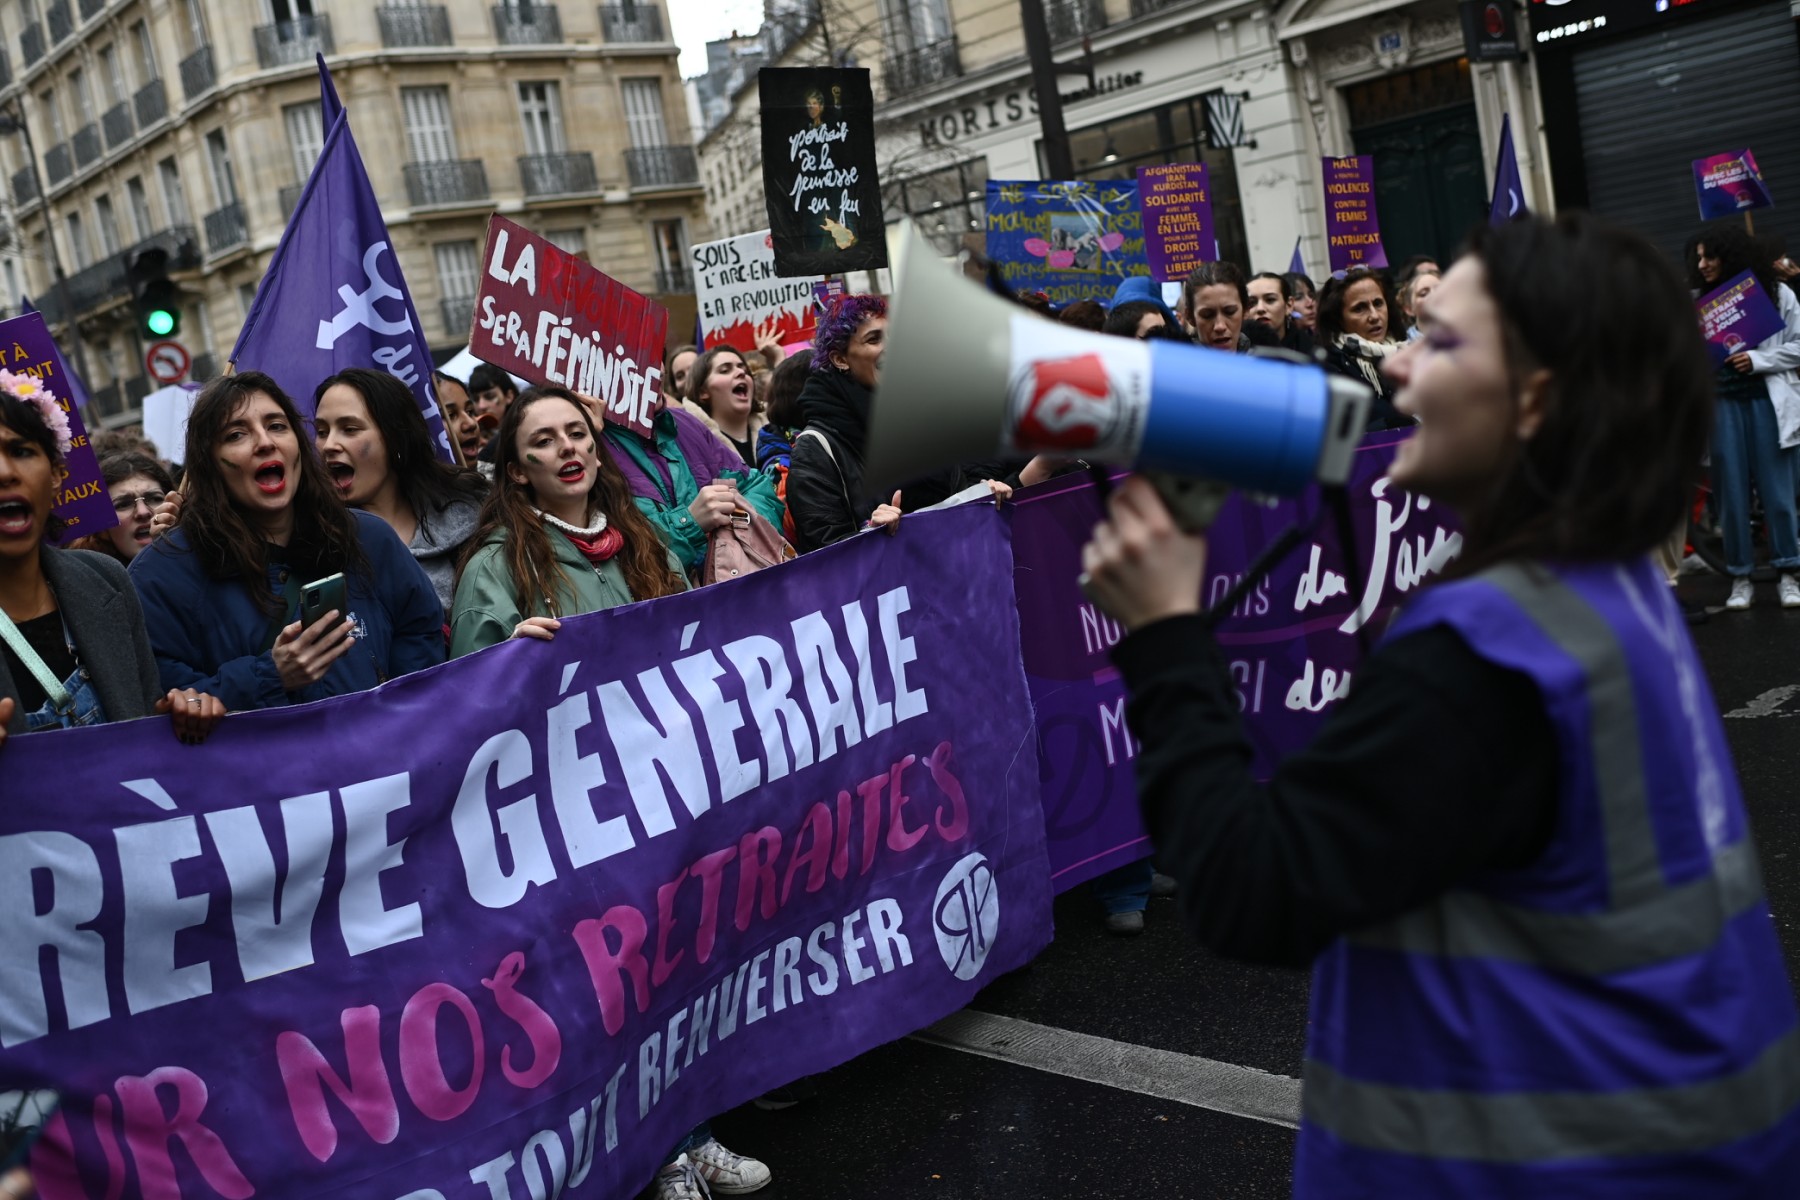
(843, 488)
(40, 670)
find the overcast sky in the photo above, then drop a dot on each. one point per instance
(697, 22)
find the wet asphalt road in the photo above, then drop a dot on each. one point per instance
(913, 1120)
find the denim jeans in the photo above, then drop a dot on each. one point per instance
(1125, 889)
(1747, 450)
(699, 1135)
(84, 707)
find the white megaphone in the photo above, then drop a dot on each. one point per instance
(966, 376)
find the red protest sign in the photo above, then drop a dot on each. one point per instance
(546, 316)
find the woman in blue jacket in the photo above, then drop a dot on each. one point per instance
(221, 592)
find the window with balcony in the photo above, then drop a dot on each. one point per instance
(144, 50)
(53, 114)
(526, 22)
(138, 201)
(218, 158)
(652, 161)
(644, 112)
(106, 224)
(458, 272)
(921, 44)
(412, 23)
(435, 175)
(540, 108)
(569, 241)
(174, 195)
(80, 252)
(305, 134)
(670, 238)
(12, 285)
(296, 35)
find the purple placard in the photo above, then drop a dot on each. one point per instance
(82, 501)
(706, 845)
(827, 290)
(1292, 647)
(1176, 200)
(1727, 184)
(1352, 229)
(1737, 316)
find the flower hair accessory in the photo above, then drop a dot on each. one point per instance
(34, 393)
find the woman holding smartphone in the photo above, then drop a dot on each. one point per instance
(222, 592)
(72, 645)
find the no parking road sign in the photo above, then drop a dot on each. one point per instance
(167, 362)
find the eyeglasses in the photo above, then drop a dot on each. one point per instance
(128, 502)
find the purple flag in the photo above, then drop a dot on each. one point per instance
(1291, 646)
(1296, 264)
(330, 107)
(333, 296)
(1176, 200)
(1728, 184)
(26, 348)
(1352, 229)
(400, 944)
(1736, 316)
(1509, 188)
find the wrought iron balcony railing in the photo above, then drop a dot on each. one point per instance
(87, 144)
(459, 316)
(1072, 19)
(59, 163)
(115, 122)
(60, 20)
(673, 280)
(414, 25)
(31, 43)
(632, 23)
(923, 67)
(662, 166)
(294, 41)
(527, 24)
(461, 181)
(151, 103)
(24, 187)
(91, 8)
(558, 174)
(197, 74)
(226, 228)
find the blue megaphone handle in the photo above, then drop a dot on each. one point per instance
(1255, 423)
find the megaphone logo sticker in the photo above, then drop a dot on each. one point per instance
(1087, 403)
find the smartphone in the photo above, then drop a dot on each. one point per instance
(322, 596)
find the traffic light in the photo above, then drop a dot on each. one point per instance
(157, 298)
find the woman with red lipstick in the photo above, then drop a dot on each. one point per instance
(261, 519)
(73, 650)
(137, 484)
(379, 455)
(559, 535)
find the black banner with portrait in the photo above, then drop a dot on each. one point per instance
(818, 128)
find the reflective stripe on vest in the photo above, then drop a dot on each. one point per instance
(1647, 922)
(1528, 1127)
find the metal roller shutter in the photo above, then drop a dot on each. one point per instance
(1651, 103)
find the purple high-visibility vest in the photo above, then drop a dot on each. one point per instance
(1613, 1020)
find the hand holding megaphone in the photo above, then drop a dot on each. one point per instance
(1139, 566)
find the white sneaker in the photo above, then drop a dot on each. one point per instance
(1789, 590)
(678, 1181)
(1741, 592)
(726, 1173)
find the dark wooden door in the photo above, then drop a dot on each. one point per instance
(1430, 180)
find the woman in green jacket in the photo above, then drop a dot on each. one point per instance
(558, 536)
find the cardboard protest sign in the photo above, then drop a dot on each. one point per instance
(546, 316)
(1291, 646)
(818, 143)
(1737, 316)
(1727, 184)
(1352, 228)
(1070, 239)
(743, 300)
(26, 348)
(396, 944)
(1176, 200)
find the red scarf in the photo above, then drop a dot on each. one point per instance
(598, 550)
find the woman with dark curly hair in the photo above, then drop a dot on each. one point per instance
(261, 519)
(73, 650)
(1356, 312)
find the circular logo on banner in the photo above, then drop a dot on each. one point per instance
(1064, 404)
(966, 915)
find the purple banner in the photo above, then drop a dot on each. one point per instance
(1737, 316)
(1178, 218)
(1292, 646)
(401, 945)
(26, 348)
(1352, 229)
(1728, 184)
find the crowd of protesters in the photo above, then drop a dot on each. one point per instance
(194, 605)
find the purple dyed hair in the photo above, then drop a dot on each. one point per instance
(840, 323)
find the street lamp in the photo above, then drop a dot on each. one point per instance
(12, 120)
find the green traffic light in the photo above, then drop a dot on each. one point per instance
(161, 322)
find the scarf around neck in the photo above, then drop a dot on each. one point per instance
(1368, 356)
(597, 543)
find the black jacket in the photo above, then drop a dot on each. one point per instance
(1382, 414)
(825, 491)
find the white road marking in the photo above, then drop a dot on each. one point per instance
(1182, 1078)
(1768, 704)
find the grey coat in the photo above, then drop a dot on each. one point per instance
(101, 610)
